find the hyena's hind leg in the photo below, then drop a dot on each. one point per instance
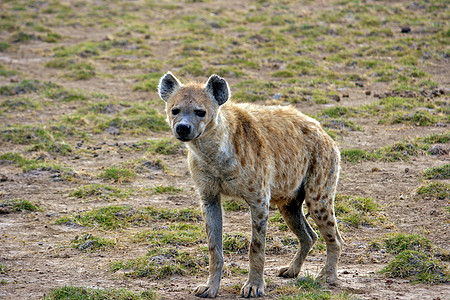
(295, 219)
(321, 208)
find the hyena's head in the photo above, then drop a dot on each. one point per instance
(193, 107)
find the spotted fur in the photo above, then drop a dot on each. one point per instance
(262, 154)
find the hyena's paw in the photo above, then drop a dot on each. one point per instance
(206, 291)
(328, 277)
(253, 289)
(287, 272)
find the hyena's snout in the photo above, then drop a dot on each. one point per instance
(185, 130)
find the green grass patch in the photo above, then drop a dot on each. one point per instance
(437, 172)
(235, 243)
(277, 219)
(396, 152)
(398, 242)
(5, 72)
(82, 293)
(33, 164)
(3, 268)
(48, 139)
(162, 263)
(18, 104)
(162, 189)
(25, 86)
(88, 242)
(233, 204)
(178, 234)
(418, 267)
(115, 217)
(19, 205)
(99, 191)
(358, 211)
(118, 174)
(166, 146)
(309, 287)
(439, 190)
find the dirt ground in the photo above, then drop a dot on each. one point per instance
(37, 252)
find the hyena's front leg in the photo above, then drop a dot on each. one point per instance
(213, 217)
(254, 287)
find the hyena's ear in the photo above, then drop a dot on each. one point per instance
(218, 88)
(168, 85)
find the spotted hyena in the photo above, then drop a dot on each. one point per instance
(261, 154)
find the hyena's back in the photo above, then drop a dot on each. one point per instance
(283, 146)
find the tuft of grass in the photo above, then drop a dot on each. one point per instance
(161, 263)
(89, 242)
(437, 172)
(166, 146)
(33, 164)
(25, 86)
(398, 242)
(277, 219)
(3, 269)
(233, 204)
(358, 211)
(117, 174)
(398, 151)
(178, 234)
(309, 287)
(79, 293)
(99, 191)
(161, 189)
(109, 217)
(19, 104)
(236, 243)
(439, 190)
(418, 267)
(19, 205)
(116, 217)
(40, 138)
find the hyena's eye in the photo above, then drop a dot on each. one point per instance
(175, 111)
(200, 113)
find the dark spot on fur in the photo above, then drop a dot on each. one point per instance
(331, 240)
(308, 204)
(322, 210)
(319, 218)
(330, 223)
(316, 212)
(325, 217)
(329, 235)
(255, 246)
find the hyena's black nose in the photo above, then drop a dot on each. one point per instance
(183, 129)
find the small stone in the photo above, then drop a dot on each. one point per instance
(335, 98)
(277, 96)
(345, 95)
(360, 84)
(368, 93)
(407, 170)
(405, 29)
(438, 150)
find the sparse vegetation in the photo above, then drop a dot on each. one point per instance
(417, 267)
(99, 191)
(438, 172)
(89, 242)
(116, 217)
(162, 263)
(117, 174)
(439, 190)
(75, 293)
(357, 211)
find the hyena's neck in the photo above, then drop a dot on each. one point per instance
(214, 146)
